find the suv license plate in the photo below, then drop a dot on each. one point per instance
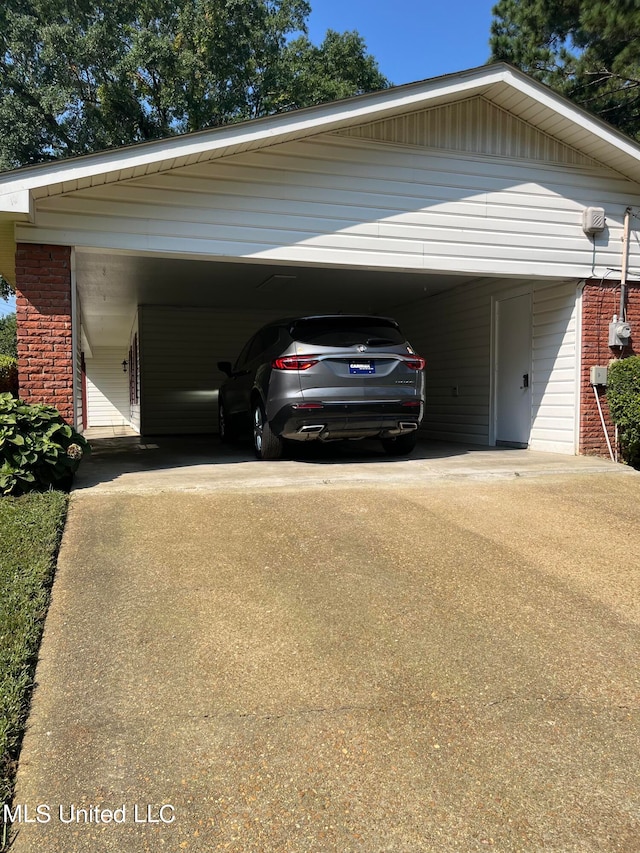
(362, 367)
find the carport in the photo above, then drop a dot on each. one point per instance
(189, 314)
(463, 206)
(186, 315)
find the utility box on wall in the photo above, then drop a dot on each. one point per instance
(593, 220)
(598, 375)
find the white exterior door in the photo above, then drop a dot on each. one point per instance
(513, 370)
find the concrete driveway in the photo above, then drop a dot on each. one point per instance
(350, 662)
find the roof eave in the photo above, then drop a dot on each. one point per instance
(559, 103)
(17, 187)
(16, 204)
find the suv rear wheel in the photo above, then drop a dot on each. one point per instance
(266, 444)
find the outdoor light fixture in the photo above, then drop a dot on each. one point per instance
(124, 366)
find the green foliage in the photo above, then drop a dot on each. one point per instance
(338, 68)
(8, 375)
(588, 50)
(623, 396)
(30, 531)
(6, 291)
(8, 336)
(38, 450)
(81, 77)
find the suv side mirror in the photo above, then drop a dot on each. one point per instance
(225, 367)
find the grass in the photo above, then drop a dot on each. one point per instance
(30, 531)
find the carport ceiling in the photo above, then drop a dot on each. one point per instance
(111, 286)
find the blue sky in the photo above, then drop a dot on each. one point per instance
(411, 39)
(7, 307)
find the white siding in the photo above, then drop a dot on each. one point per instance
(107, 388)
(453, 331)
(475, 126)
(180, 350)
(554, 368)
(334, 200)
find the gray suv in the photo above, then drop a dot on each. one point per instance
(324, 378)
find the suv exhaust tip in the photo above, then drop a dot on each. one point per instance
(403, 428)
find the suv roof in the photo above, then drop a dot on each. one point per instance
(288, 320)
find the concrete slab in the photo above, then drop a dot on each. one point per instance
(131, 464)
(92, 433)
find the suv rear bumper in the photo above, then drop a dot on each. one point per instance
(347, 420)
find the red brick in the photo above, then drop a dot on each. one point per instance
(43, 309)
(40, 362)
(600, 302)
(54, 280)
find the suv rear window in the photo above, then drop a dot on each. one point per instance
(346, 331)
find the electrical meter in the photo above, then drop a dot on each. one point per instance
(619, 334)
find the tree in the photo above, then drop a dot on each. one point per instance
(8, 340)
(588, 50)
(338, 68)
(78, 75)
(6, 291)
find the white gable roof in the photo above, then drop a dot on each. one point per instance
(499, 83)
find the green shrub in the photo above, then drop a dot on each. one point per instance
(623, 396)
(8, 375)
(38, 450)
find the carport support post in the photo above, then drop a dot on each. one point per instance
(43, 313)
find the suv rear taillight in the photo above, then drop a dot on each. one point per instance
(294, 362)
(415, 363)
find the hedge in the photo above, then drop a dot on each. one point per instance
(623, 396)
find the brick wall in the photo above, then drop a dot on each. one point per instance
(43, 309)
(600, 301)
